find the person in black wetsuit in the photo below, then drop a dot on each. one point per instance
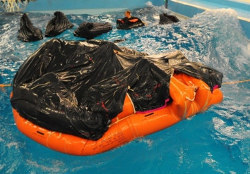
(129, 21)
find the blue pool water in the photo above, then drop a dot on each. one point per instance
(192, 7)
(216, 141)
(242, 7)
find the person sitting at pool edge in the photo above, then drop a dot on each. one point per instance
(129, 21)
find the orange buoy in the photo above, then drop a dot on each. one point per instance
(190, 96)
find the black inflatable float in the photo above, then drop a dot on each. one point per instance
(57, 25)
(168, 19)
(27, 31)
(77, 87)
(129, 23)
(91, 30)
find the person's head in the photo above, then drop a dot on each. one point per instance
(127, 14)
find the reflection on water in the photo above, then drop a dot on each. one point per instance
(216, 141)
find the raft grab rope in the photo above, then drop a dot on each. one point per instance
(225, 83)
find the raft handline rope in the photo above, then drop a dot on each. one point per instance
(235, 82)
(5, 85)
(225, 83)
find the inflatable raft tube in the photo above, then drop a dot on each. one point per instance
(190, 96)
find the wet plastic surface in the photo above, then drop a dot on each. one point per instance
(57, 25)
(91, 30)
(168, 19)
(27, 31)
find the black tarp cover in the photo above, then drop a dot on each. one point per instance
(90, 30)
(77, 87)
(58, 24)
(27, 31)
(168, 19)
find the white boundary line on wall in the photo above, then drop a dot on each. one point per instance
(204, 8)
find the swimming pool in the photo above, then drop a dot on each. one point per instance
(216, 141)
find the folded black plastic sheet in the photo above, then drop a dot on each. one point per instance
(77, 87)
(168, 19)
(90, 30)
(58, 24)
(27, 31)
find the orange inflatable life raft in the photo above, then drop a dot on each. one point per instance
(190, 96)
(129, 23)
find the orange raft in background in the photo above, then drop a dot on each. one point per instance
(190, 96)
